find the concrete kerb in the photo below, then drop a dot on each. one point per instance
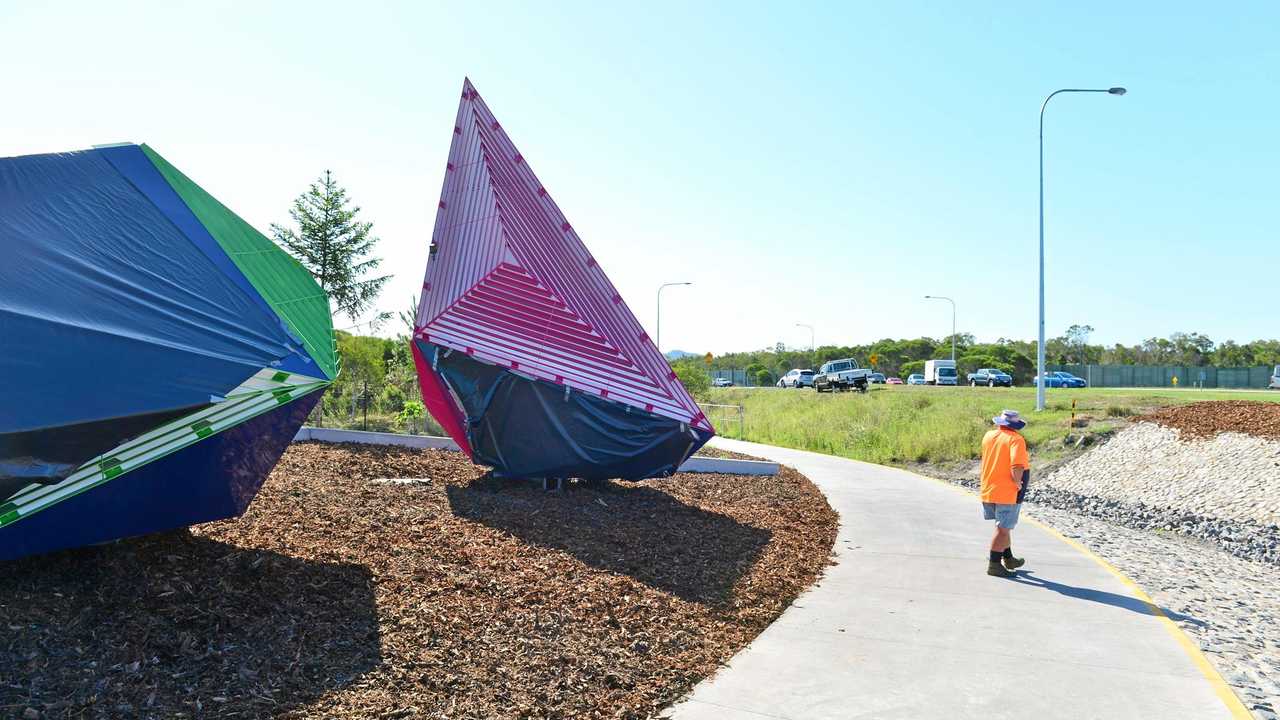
(723, 466)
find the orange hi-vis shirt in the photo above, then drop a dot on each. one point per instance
(1002, 450)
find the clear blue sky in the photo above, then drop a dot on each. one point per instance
(828, 164)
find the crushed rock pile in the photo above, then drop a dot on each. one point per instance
(1210, 470)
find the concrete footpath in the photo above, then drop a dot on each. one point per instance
(908, 625)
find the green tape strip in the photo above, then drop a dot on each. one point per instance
(8, 513)
(280, 376)
(202, 428)
(111, 468)
(282, 395)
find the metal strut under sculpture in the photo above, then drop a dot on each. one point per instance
(159, 353)
(526, 354)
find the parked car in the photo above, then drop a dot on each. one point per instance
(721, 382)
(796, 378)
(877, 378)
(1071, 381)
(841, 375)
(915, 379)
(893, 381)
(1060, 379)
(990, 377)
(1275, 379)
(940, 372)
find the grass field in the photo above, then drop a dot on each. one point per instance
(902, 424)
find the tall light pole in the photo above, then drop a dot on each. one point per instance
(658, 340)
(810, 334)
(953, 322)
(1040, 346)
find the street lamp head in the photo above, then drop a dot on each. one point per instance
(1117, 91)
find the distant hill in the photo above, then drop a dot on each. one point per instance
(677, 354)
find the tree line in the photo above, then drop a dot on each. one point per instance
(1017, 357)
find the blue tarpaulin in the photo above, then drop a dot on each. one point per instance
(96, 283)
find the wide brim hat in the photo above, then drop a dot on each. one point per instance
(1010, 419)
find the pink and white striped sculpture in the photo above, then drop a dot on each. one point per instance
(526, 353)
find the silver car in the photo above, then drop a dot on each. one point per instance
(1275, 378)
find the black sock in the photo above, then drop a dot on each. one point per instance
(1008, 553)
(995, 556)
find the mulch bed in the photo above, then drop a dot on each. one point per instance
(454, 597)
(1206, 419)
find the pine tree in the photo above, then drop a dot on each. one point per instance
(334, 246)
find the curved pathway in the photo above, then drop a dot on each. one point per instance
(908, 625)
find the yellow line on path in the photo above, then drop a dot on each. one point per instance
(1191, 647)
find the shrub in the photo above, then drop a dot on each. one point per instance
(1119, 411)
(392, 399)
(694, 377)
(411, 414)
(764, 378)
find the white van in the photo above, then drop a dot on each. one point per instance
(940, 372)
(1275, 378)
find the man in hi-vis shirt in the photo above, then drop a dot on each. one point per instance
(1004, 467)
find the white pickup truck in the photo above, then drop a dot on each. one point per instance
(841, 375)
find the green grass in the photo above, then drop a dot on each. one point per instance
(377, 422)
(896, 425)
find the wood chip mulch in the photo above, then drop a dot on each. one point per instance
(453, 596)
(724, 454)
(1206, 419)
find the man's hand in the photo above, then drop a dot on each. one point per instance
(1019, 476)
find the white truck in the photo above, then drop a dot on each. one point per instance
(1275, 379)
(940, 372)
(841, 375)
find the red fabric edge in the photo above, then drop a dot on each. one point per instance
(439, 402)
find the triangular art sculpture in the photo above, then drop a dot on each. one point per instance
(526, 354)
(158, 353)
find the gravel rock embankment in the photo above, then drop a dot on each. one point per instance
(1230, 476)
(1210, 471)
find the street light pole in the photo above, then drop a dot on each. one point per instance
(658, 339)
(953, 322)
(810, 334)
(1040, 346)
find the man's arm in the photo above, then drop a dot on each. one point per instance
(1019, 461)
(1019, 474)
